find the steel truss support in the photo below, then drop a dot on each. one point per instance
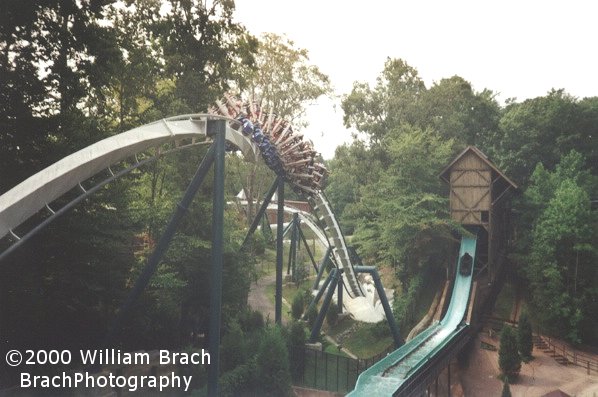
(279, 252)
(214, 156)
(297, 237)
(322, 267)
(306, 245)
(394, 328)
(292, 262)
(217, 258)
(331, 282)
(321, 291)
(261, 212)
(163, 243)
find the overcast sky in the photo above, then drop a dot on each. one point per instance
(519, 49)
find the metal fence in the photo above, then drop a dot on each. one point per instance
(333, 372)
(560, 351)
(566, 355)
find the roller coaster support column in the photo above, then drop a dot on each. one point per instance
(322, 267)
(306, 245)
(162, 246)
(279, 252)
(316, 299)
(292, 264)
(261, 212)
(217, 262)
(387, 311)
(335, 276)
(339, 296)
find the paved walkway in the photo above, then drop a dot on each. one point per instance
(540, 376)
(260, 301)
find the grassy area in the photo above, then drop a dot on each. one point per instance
(365, 341)
(266, 263)
(361, 339)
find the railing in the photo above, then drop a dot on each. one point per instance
(572, 356)
(333, 372)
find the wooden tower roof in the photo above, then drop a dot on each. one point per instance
(445, 174)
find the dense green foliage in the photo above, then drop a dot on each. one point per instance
(560, 248)
(273, 369)
(297, 306)
(72, 73)
(273, 354)
(524, 337)
(296, 348)
(506, 390)
(311, 315)
(386, 190)
(285, 81)
(509, 361)
(233, 350)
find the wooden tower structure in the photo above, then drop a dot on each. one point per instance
(477, 198)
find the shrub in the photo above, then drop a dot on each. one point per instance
(296, 348)
(251, 320)
(524, 338)
(311, 315)
(506, 390)
(273, 372)
(297, 306)
(257, 242)
(509, 361)
(239, 380)
(233, 349)
(381, 329)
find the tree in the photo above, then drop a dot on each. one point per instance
(296, 347)
(398, 215)
(509, 361)
(524, 337)
(311, 315)
(450, 106)
(233, 350)
(346, 179)
(558, 253)
(273, 369)
(389, 104)
(71, 73)
(284, 82)
(506, 390)
(203, 48)
(542, 130)
(456, 111)
(297, 306)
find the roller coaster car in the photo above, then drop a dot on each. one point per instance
(466, 264)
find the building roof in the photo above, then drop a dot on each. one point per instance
(444, 175)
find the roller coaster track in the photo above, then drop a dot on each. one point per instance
(250, 133)
(408, 370)
(325, 215)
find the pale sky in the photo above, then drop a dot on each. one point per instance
(518, 49)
